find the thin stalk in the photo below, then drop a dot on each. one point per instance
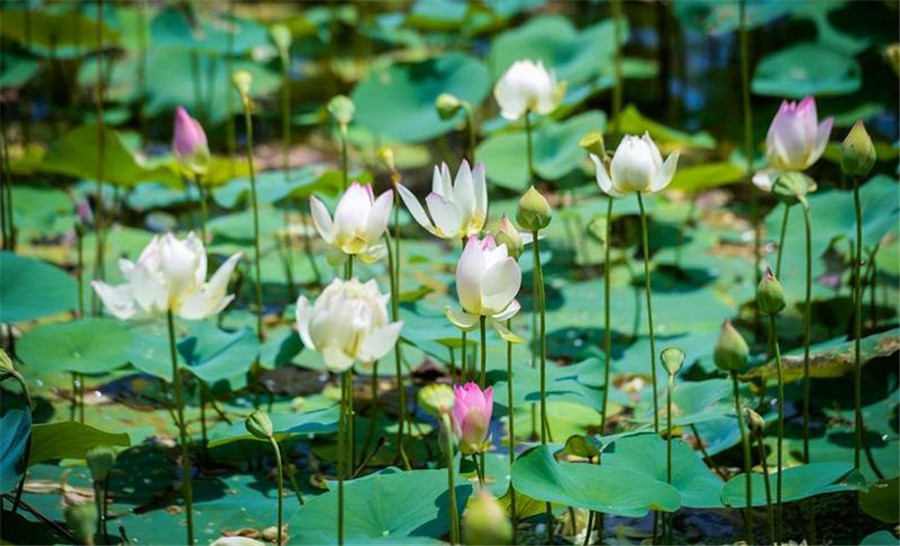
(617, 62)
(529, 144)
(648, 290)
(451, 486)
(748, 139)
(142, 70)
(81, 387)
(807, 336)
(745, 442)
(510, 415)
(784, 224)
(770, 524)
(230, 127)
(778, 484)
(99, 265)
(99, 501)
(286, 164)
(607, 334)
(706, 456)
(483, 380)
(248, 121)
(79, 241)
(470, 130)
(198, 91)
(394, 266)
(351, 423)
(479, 470)
(464, 370)
(105, 508)
(857, 328)
(204, 437)
(201, 196)
(186, 486)
(542, 341)
(670, 388)
(280, 478)
(345, 169)
(340, 461)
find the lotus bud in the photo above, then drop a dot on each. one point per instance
(673, 359)
(792, 187)
(770, 294)
(259, 425)
(189, 143)
(731, 352)
(100, 460)
(485, 521)
(508, 235)
(242, 80)
(341, 109)
(755, 420)
(534, 212)
(593, 143)
(82, 520)
(437, 399)
(447, 105)
(386, 156)
(471, 416)
(857, 152)
(281, 36)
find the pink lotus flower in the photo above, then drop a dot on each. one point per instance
(189, 142)
(487, 281)
(472, 417)
(795, 140)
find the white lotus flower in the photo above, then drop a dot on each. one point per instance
(527, 86)
(347, 323)
(487, 281)
(457, 210)
(170, 275)
(359, 223)
(637, 166)
(794, 142)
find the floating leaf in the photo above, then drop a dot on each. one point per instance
(632, 121)
(14, 430)
(31, 289)
(798, 483)
(48, 31)
(699, 178)
(69, 440)
(880, 538)
(88, 346)
(285, 426)
(882, 500)
(806, 69)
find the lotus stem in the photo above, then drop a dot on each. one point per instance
(770, 524)
(542, 343)
(451, 487)
(617, 63)
(780, 253)
(286, 165)
(778, 484)
(529, 144)
(607, 334)
(99, 258)
(857, 327)
(186, 486)
(807, 326)
(280, 479)
(345, 168)
(748, 143)
(510, 414)
(745, 442)
(394, 270)
(248, 121)
(483, 324)
(230, 127)
(670, 388)
(341, 455)
(648, 290)
(201, 197)
(470, 130)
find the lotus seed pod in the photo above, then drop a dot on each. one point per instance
(82, 520)
(437, 399)
(673, 359)
(757, 423)
(731, 352)
(341, 109)
(793, 186)
(508, 235)
(242, 80)
(485, 521)
(770, 294)
(447, 105)
(259, 425)
(534, 212)
(593, 143)
(857, 152)
(100, 459)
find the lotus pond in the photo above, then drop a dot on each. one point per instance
(430, 271)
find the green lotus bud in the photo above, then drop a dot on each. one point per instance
(485, 521)
(437, 399)
(100, 459)
(593, 143)
(508, 235)
(857, 152)
(755, 420)
(341, 109)
(673, 359)
(793, 186)
(447, 105)
(386, 156)
(770, 294)
(259, 425)
(534, 212)
(242, 80)
(731, 352)
(281, 36)
(82, 520)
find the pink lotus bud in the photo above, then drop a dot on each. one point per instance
(472, 417)
(189, 142)
(796, 139)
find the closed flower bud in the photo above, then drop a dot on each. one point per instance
(857, 152)
(259, 425)
(755, 420)
(447, 105)
(82, 520)
(673, 359)
(437, 399)
(731, 352)
(341, 109)
(100, 460)
(770, 294)
(281, 36)
(592, 143)
(485, 521)
(189, 142)
(386, 156)
(636, 167)
(534, 212)
(527, 86)
(508, 235)
(471, 416)
(242, 80)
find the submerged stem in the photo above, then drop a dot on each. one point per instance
(647, 288)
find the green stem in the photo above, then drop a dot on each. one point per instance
(748, 139)
(186, 486)
(510, 415)
(345, 169)
(286, 165)
(99, 258)
(393, 271)
(770, 523)
(670, 388)
(807, 335)
(607, 333)
(617, 89)
(784, 224)
(470, 129)
(201, 196)
(248, 121)
(230, 129)
(857, 328)
(340, 461)
(648, 290)
(451, 487)
(79, 235)
(280, 477)
(778, 484)
(99, 501)
(464, 370)
(542, 343)
(745, 442)
(483, 381)
(529, 144)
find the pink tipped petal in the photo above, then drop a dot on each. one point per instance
(500, 286)
(823, 132)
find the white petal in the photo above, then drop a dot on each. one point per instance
(508, 335)
(379, 342)
(469, 273)
(336, 360)
(464, 193)
(373, 254)
(117, 299)
(603, 180)
(511, 310)
(415, 208)
(822, 134)
(654, 150)
(461, 319)
(211, 298)
(765, 179)
(377, 221)
(500, 285)
(481, 196)
(445, 215)
(664, 175)
(303, 314)
(322, 220)
(352, 211)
